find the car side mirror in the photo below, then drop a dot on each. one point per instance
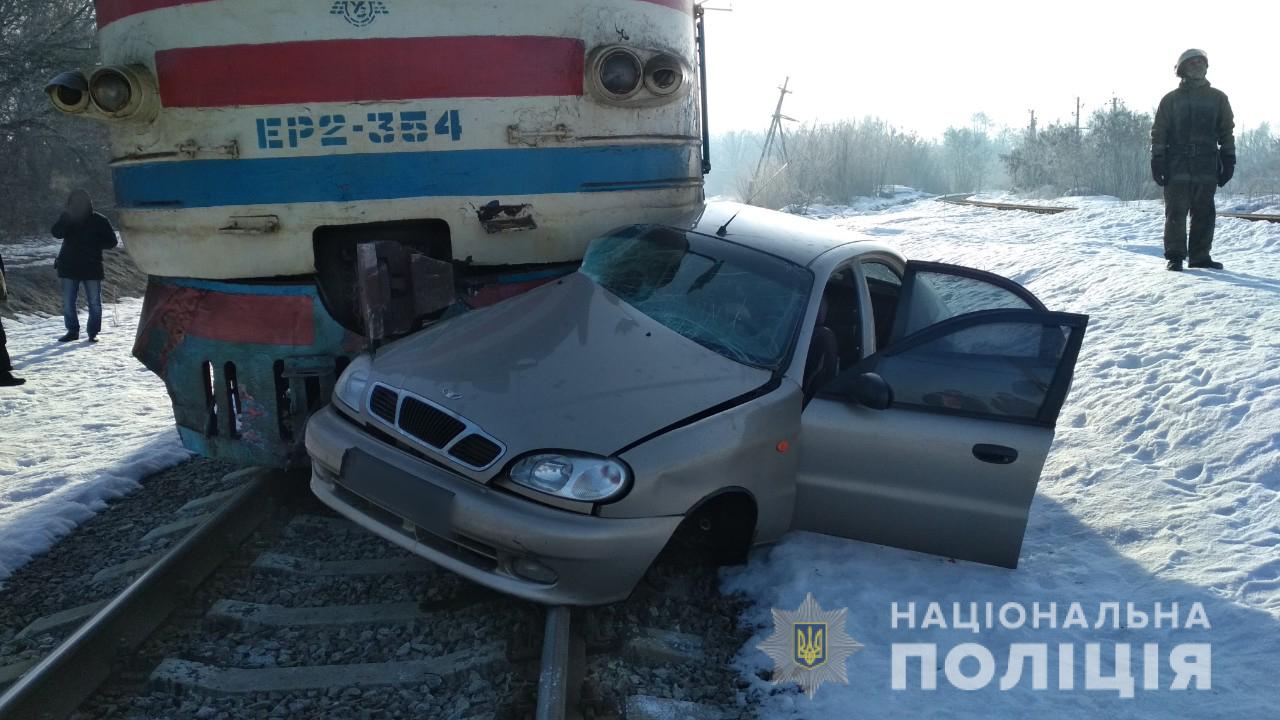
(871, 390)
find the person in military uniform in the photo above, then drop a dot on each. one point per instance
(1193, 152)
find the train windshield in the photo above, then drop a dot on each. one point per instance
(740, 303)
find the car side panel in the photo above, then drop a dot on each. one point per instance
(735, 448)
(910, 479)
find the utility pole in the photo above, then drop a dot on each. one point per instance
(1077, 116)
(1031, 132)
(775, 131)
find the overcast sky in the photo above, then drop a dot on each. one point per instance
(926, 65)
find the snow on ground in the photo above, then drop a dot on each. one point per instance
(29, 251)
(890, 196)
(1258, 204)
(1163, 484)
(88, 425)
(33, 251)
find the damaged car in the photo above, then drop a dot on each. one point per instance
(740, 373)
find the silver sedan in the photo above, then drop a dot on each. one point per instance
(738, 374)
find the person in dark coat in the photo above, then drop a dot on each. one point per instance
(6, 367)
(84, 234)
(1193, 152)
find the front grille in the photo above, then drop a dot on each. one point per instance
(430, 425)
(476, 451)
(433, 426)
(383, 403)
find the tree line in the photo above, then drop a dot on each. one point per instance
(833, 163)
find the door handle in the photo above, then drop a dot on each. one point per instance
(995, 454)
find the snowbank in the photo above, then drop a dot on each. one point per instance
(88, 425)
(1163, 484)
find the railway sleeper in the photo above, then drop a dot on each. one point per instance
(175, 675)
(253, 615)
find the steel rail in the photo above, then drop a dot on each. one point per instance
(1040, 209)
(75, 669)
(1251, 217)
(963, 199)
(553, 680)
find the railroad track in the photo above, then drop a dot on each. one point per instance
(1039, 209)
(269, 606)
(1053, 210)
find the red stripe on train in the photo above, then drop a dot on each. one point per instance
(253, 319)
(111, 10)
(370, 70)
(173, 313)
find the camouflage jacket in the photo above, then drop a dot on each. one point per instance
(1194, 125)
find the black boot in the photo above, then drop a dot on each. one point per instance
(69, 336)
(1207, 263)
(8, 380)
(1175, 265)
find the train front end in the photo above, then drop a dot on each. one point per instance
(299, 176)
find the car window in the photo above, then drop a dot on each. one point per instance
(741, 303)
(879, 272)
(842, 317)
(940, 296)
(1002, 370)
(885, 288)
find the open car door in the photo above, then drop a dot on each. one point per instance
(978, 371)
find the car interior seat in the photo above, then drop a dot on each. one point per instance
(822, 363)
(842, 318)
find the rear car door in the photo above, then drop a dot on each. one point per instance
(978, 369)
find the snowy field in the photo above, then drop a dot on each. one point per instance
(88, 425)
(1163, 485)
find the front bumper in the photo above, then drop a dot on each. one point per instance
(475, 530)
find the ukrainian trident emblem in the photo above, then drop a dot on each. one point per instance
(359, 12)
(809, 646)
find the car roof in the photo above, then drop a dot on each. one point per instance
(794, 238)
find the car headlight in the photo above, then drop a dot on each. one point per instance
(353, 384)
(572, 477)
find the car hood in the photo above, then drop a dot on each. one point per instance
(567, 366)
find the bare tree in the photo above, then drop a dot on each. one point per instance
(1258, 172)
(44, 154)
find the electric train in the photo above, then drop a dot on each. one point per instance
(299, 178)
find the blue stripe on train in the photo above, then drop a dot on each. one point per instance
(388, 176)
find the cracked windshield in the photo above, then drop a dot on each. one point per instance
(740, 303)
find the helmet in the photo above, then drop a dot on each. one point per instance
(1193, 52)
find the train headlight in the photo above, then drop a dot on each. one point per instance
(619, 73)
(69, 92)
(124, 92)
(110, 90)
(663, 74)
